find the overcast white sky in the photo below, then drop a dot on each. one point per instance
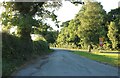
(68, 10)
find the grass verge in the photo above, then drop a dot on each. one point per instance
(111, 59)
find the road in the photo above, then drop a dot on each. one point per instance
(65, 63)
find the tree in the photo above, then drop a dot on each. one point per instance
(51, 36)
(68, 34)
(114, 27)
(63, 35)
(91, 17)
(113, 34)
(22, 15)
(65, 24)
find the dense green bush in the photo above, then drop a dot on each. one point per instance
(40, 47)
(9, 46)
(16, 52)
(13, 47)
(11, 53)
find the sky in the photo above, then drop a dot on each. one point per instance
(69, 10)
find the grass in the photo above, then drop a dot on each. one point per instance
(111, 59)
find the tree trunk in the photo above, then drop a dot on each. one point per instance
(90, 47)
(26, 45)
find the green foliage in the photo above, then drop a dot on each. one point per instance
(114, 28)
(40, 47)
(68, 34)
(51, 36)
(90, 24)
(47, 32)
(113, 34)
(65, 24)
(23, 7)
(85, 28)
(16, 51)
(22, 14)
(92, 18)
(13, 53)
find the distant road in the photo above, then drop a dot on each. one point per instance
(65, 63)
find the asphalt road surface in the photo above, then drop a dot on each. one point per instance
(65, 63)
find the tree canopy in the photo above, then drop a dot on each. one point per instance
(86, 27)
(91, 23)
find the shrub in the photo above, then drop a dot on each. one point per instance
(40, 47)
(16, 51)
